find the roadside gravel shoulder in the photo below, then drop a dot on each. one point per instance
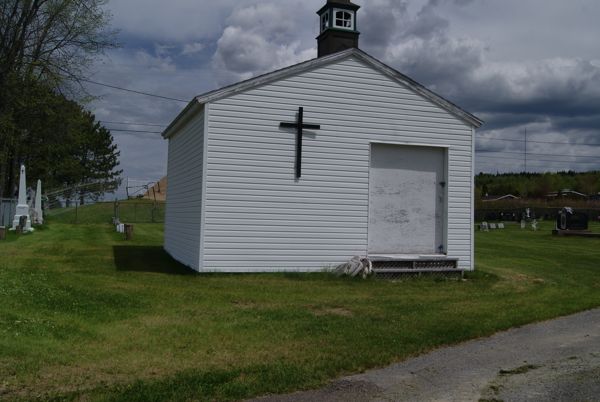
(557, 360)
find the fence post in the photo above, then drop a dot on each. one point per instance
(76, 208)
(134, 212)
(116, 211)
(128, 231)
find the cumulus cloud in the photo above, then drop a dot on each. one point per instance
(419, 45)
(192, 48)
(173, 21)
(553, 88)
(553, 99)
(259, 38)
(516, 71)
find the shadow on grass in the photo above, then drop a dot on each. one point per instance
(12, 236)
(153, 259)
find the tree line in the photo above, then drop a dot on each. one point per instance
(46, 48)
(536, 185)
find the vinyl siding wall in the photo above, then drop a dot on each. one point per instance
(184, 193)
(259, 218)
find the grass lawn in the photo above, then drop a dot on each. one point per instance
(86, 315)
(132, 211)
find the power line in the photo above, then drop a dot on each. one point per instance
(135, 131)
(543, 142)
(539, 160)
(533, 153)
(133, 91)
(132, 123)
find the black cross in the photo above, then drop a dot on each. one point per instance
(299, 125)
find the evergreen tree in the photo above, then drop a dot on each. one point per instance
(62, 143)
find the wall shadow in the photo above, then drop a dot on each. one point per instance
(153, 259)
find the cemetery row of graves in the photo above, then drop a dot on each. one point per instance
(66, 205)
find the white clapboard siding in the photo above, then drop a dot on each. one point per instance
(184, 195)
(259, 218)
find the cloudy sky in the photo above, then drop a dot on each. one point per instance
(527, 67)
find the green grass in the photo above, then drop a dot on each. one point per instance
(131, 211)
(86, 315)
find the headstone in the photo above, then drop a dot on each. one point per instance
(523, 224)
(492, 226)
(534, 225)
(22, 207)
(485, 227)
(568, 219)
(38, 214)
(501, 226)
(2, 233)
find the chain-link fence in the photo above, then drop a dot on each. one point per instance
(139, 211)
(91, 203)
(535, 212)
(127, 211)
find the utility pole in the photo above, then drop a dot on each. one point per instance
(525, 153)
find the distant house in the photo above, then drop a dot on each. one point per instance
(566, 193)
(490, 198)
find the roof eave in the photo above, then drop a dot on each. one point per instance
(181, 118)
(270, 77)
(422, 90)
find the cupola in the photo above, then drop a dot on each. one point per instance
(337, 22)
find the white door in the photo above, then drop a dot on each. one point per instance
(407, 199)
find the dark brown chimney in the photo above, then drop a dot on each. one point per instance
(337, 24)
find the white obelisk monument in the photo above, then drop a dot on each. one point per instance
(22, 207)
(38, 214)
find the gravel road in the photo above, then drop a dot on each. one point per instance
(556, 360)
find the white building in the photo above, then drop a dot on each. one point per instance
(383, 167)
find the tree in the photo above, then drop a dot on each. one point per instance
(46, 40)
(45, 45)
(65, 145)
(97, 157)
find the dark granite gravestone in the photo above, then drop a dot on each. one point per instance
(568, 219)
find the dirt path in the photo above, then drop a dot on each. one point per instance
(557, 360)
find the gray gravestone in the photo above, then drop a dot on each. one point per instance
(38, 214)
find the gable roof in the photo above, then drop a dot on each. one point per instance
(319, 62)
